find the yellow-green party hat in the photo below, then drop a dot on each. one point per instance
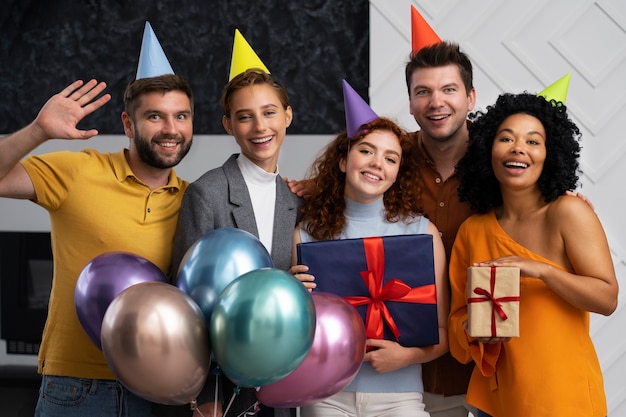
(557, 90)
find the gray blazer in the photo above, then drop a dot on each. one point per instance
(220, 198)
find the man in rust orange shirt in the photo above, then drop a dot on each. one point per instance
(441, 94)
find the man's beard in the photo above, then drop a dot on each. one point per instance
(151, 157)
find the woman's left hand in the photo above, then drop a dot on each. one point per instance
(299, 271)
(387, 355)
(528, 267)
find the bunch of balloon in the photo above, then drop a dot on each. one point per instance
(215, 260)
(102, 279)
(332, 362)
(156, 342)
(262, 327)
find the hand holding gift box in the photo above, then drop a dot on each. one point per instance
(493, 301)
(390, 280)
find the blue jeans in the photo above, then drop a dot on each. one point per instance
(61, 396)
(482, 414)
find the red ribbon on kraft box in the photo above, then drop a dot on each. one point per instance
(498, 312)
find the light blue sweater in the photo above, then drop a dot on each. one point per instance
(367, 220)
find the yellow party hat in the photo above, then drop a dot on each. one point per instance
(557, 90)
(243, 57)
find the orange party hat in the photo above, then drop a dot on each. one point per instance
(422, 34)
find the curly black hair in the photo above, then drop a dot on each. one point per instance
(478, 184)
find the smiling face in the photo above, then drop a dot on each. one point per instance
(259, 122)
(518, 152)
(439, 102)
(160, 128)
(371, 166)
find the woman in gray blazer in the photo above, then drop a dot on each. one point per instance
(246, 192)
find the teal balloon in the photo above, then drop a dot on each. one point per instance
(262, 327)
(215, 260)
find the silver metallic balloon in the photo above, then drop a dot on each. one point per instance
(155, 340)
(262, 327)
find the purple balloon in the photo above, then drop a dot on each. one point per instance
(102, 279)
(331, 364)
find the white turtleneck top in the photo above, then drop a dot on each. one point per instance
(262, 189)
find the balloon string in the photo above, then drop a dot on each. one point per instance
(217, 381)
(255, 410)
(194, 408)
(230, 403)
(250, 411)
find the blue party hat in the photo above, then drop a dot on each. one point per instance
(358, 112)
(152, 59)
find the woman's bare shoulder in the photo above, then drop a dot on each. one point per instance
(567, 208)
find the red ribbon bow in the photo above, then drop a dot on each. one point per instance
(495, 302)
(393, 290)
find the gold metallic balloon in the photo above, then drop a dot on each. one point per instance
(155, 340)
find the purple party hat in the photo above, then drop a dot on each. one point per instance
(358, 112)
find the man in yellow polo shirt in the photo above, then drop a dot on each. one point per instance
(99, 202)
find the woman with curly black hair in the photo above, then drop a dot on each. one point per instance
(480, 187)
(522, 158)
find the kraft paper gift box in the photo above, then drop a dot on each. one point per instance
(493, 301)
(390, 280)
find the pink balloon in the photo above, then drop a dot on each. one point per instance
(331, 364)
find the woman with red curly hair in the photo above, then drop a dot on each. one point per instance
(365, 186)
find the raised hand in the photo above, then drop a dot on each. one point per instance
(59, 117)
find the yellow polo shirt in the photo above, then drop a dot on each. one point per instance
(96, 205)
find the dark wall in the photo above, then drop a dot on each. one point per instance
(309, 46)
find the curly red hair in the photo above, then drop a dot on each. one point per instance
(323, 212)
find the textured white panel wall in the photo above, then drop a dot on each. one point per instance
(525, 45)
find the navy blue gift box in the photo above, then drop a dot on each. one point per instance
(390, 280)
